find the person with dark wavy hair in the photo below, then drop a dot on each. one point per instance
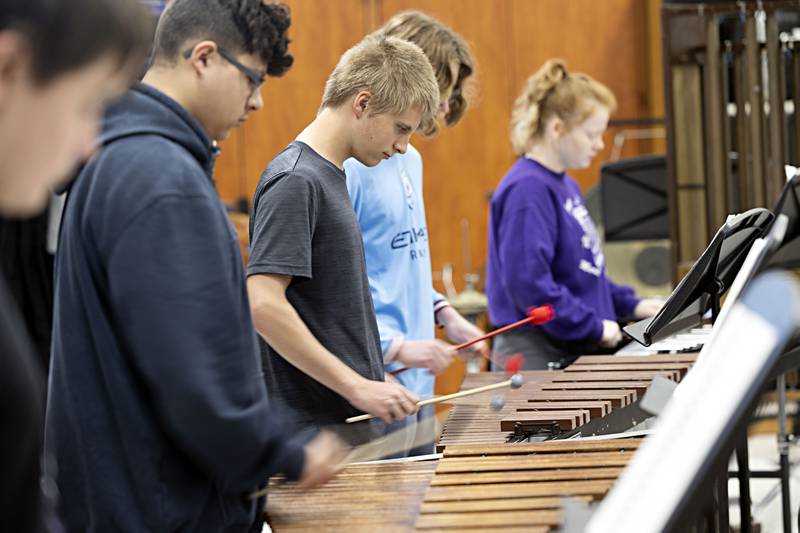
(59, 63)
(158, 413)
(391, 214)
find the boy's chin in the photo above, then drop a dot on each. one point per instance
(224, 135)
(369, 161)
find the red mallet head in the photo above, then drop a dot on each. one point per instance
(541, 315)
(514, 364)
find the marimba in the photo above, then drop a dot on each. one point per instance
(487, 479)
(476, 488)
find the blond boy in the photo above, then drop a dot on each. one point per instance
(307, 278)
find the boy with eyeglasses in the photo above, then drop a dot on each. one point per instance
(158, 414)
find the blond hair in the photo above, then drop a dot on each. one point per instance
(395, 72)
(443, 47)
(553, 92)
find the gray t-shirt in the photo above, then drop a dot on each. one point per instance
(303, 225)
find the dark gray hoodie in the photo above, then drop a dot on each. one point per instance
(158, 415)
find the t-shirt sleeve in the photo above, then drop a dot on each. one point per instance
(439, 300)
(284, 217)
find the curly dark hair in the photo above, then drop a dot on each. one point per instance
(239, 26)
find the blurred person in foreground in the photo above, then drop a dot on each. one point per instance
(60, 62)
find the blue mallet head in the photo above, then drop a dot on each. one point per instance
(498, 402)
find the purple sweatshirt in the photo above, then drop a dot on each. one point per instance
(544, 249)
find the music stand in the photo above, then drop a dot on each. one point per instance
(699, 428)
(634, 199)
(703, 286)
(788, 255)
(753, 264)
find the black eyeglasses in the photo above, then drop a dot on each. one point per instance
(256, 79)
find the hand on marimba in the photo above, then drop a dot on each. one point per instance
(612, 335)
(388, 401)
(435, 355)
(324, 455)
(647, 308)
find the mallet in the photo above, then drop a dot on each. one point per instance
(514, 382)
(536, 316)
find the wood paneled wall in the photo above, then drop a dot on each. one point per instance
(612, 40)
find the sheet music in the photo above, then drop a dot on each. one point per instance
(692, 340)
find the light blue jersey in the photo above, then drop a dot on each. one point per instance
(388, 202)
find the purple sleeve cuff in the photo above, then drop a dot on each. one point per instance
(625, 300)
(597, 330)
(626, 306)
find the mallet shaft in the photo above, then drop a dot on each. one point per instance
(444, 398)
(463, 393)
(537, 315)
(495, 332)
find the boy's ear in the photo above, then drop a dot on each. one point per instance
(13, 59)
(361, 103)
(200, 54)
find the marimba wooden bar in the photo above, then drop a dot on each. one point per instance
(483, 482)
(361, 498)
(495, 487)
(558, 401)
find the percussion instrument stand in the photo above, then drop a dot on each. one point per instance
(743, 472)
(783, 471)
